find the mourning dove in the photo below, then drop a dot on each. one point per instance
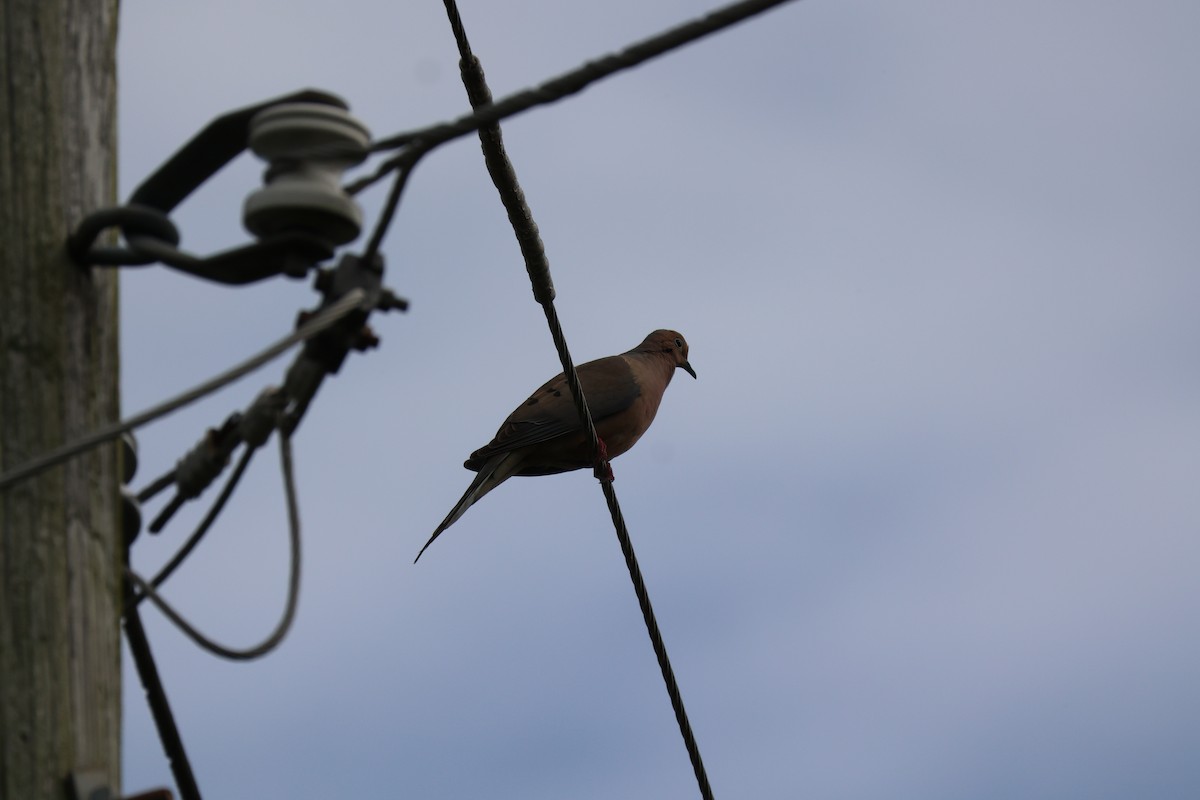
(544, 435)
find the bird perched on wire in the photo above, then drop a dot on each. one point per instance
(545, 436)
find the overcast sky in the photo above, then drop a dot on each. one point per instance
(926, 525)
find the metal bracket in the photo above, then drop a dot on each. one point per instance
(300, 217)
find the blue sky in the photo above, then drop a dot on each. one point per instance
(926, 525)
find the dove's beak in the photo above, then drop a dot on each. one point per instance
(689, 369)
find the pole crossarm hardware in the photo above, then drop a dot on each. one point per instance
(299, 217)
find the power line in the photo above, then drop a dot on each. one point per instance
(560, 87)
(538, 267)
(156, 698)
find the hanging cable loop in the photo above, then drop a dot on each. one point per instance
(284, 625)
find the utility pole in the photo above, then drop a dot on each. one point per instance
(60, 543)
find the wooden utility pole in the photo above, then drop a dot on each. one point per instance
(60, 548)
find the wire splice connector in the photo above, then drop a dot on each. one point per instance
(262, 417)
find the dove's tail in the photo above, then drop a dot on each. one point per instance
(493, 473)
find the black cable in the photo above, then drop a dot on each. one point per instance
(156, 486)
(156, 697)
(562, 86)
(656, 639)
(405, 164)
(504, 177)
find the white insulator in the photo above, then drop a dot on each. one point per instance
(309, 146)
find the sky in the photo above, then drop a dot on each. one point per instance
(925, 526)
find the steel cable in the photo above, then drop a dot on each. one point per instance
(521, 217)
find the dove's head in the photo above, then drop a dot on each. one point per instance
(672, 343)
